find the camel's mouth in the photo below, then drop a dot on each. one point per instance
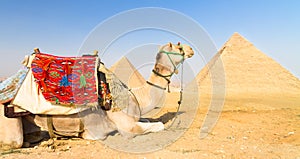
(189, 55)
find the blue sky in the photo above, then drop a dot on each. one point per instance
(60, 27)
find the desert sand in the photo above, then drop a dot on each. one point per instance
(247, 128)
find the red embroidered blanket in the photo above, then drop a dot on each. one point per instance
(66, 80)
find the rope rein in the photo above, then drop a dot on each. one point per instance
(179, 101)
(168, 80)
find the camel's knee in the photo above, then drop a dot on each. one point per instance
(137, 129)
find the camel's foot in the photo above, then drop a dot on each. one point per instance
(93, 136)
(151, 127)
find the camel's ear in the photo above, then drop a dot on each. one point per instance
(178, 43)
(36, 50)
(170, 44)
(95, 53)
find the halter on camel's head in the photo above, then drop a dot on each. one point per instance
(168, 59)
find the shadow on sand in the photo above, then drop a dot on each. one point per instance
(164, 118)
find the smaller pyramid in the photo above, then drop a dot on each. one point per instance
(127, 73)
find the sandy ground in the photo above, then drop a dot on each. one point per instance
(247, 128)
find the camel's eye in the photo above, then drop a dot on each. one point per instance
(157, 69)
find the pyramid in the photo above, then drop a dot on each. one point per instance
(127, 73)
(247, 71)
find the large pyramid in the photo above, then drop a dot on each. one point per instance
(127, 73)
(247, 71)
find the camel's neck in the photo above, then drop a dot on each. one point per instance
(157, 81)
(150, 96)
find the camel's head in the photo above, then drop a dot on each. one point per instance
(170, 56)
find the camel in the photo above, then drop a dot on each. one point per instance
(97, 124)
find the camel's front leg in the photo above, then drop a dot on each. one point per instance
(151, 127)
(129, 127)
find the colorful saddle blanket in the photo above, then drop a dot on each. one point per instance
(10, 86)
(66, 80)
